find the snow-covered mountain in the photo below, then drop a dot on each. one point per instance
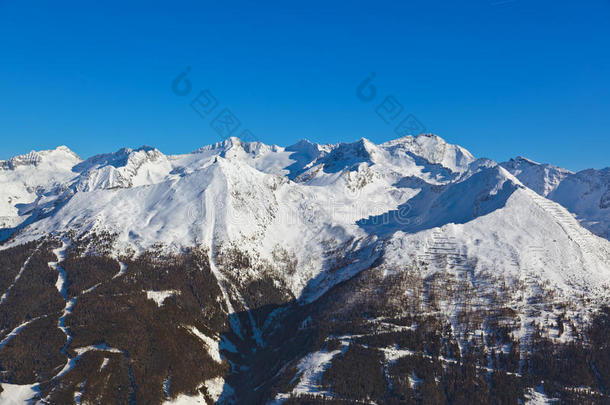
(30, 179)
(297, 258)
(585, 194)
(542, 178)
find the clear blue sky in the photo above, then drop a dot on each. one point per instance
(499, 77)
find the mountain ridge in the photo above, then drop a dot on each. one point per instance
(274, 265)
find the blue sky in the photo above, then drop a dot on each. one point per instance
(499, 77)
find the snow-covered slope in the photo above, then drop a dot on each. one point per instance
(28, 180)
(542, 178)
(285, 228)
(122, 169)
(301, 198)
(587, 195)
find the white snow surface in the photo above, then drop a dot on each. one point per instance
(159, 296)
(540, 177)
(216, 388)
(538, 397)
(17, 394)
(311, 368)
(211, 344)
(31, 180)
(357, 201)
(587, 195)
(333, 210)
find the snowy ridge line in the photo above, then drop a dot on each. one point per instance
(309, 217)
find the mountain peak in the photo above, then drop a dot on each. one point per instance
(124, 168)
(432, 148)
(543, 178)
(65, 149)
(393, 248)
(522, 159)
(59, 155)
(226, 144)
(419, 138)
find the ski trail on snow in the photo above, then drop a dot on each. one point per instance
(122, 270)
(61, 288)
(27, 261)
(60, 254)
(16, 331)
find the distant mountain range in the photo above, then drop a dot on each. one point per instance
(404, 272)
